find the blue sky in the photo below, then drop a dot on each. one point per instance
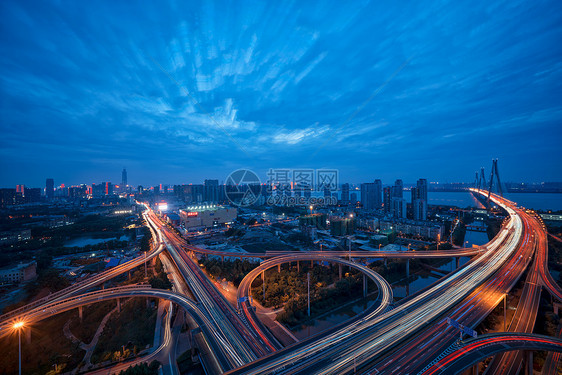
(185, 90)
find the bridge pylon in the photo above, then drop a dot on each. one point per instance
(482, 180)
(495, 173)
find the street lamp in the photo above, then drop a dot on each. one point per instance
(18, 326)
(311, 207)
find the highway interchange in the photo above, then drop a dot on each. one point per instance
(410, 336)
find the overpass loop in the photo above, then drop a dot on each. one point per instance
(383, 286)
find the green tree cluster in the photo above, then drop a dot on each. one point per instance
(142, 369)
(232, 270)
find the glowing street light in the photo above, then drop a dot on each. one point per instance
(18, 326)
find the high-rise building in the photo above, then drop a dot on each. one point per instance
(20, 189)
(297, 190)
(419, 200)
(387, 196)
(98, 190)
(108, 188)
(398, 207)
(7, 197)
(353, 198)
(398, 189)
(371, 195)
(198, 193)
(419, 208)
(212, 191)
(422, 187)
(50, 188)
(124, 178)
(345, 193)
(378, 193)
(32, 195)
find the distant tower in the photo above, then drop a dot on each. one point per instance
(482, 180)
(495, 173)
(124, 177)
(50, 188)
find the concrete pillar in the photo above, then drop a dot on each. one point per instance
(129, 274)
(298, 266)
(118, 305)
(222, 258)
(192, 343)
(529, 363)
(408, 269)
(279, 268)
(408, 277)
(505, 312)
(457, 260)
(557, 307)
(80, 313)
(308, 281)
(364, 286)
(475, 369)
(263, 284)
(385, 262)
(340, 269)
(311, 264)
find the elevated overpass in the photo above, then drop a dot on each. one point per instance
(475, 350)
(244, 290)
(220, 357)
(90, 282)
(357, 345)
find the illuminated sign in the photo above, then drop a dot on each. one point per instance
(192, 214)
(162, 206)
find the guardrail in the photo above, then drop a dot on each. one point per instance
(53, 304)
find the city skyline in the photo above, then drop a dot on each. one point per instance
(176, 95)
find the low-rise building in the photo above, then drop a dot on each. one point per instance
(173, 219)
(17, 274)
(8, 238)
(423, 229)
(204, 217)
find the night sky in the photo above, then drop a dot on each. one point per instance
(189, 90)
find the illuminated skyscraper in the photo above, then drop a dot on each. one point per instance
(124, 178)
